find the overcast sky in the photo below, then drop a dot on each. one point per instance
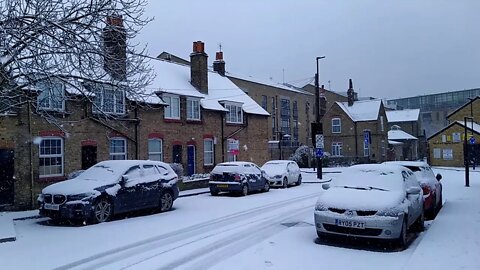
(389, 48)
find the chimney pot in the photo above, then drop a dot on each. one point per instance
(219, 56)
(198, 47)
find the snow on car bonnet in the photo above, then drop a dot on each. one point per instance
(386, 177)
(272, 168)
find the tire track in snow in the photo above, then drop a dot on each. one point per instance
(130, 250)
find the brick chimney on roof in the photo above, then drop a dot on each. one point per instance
(350, 93)
(199, 67)
(219, 64)
(115, 46)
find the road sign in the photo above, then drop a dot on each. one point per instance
(319, 152)
(472, 140)
(319, 141)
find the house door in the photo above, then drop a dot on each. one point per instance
(191, 159)
(6, 176)
(177, 154)
(89, 156)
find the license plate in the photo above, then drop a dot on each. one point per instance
(222, 186)
(49, 206)
(350, 224)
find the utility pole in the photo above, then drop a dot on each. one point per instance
(319, 129)
(466, 160)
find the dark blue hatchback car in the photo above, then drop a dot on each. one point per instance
(109, 188)
(240, 177)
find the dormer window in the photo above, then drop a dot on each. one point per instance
(108, 100)
(235, 112)
(172, 111)
(51, 96)
(193, 109)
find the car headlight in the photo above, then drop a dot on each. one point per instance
(79, 197)
(320, 207)
(391, 212)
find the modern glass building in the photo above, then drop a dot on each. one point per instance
(434, 108)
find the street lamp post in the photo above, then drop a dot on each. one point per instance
(465, 152)
(317, 115)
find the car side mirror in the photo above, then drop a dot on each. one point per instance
(124, 179)
(439, 176)
(413, 190)
(325, 186)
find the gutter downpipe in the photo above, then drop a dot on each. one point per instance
(136, 131)
(222, 117)
(31, 154)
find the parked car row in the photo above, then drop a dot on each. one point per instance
(245, 177)
(382, 201)
(119, 186)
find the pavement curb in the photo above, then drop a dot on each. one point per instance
(7, 230)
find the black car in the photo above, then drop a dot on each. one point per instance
(240, 177)
(109, 188)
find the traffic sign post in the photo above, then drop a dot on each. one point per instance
(319, 152)
(471, 140)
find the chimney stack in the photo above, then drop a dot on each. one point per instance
(199, 67)
(350, 93)
(219, 64)
(115, 46)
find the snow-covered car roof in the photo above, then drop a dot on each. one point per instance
(366, 187)
(103, 173)
(278, 162)
(231, 167)
(423, 176)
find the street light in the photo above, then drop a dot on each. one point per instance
(465, 152)
(317, 114)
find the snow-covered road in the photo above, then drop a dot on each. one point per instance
(271, 230)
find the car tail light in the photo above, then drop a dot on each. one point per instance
(426, 190)
(237, 177)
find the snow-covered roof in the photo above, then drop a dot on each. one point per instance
(403, 115)
(394, 142)
(365, 110)
(398, 134)
(269, 83)
(174, 78)
(470, 125)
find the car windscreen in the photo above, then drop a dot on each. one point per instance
(276, 167)
(101, 173)
(388, 181)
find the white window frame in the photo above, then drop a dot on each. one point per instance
(235, 113)
(456, 137)
(366, 149)
(437, 153)
(382, 126)
(447, 154)
(49, 156)
(100, 100)
(337, 149)
(334, 125)
(384, 148)
(193, 109)
(172, 112)
(208, 153)
(50, 94)
(155, 153)
(115, 154)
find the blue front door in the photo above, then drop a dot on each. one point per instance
(191, 159)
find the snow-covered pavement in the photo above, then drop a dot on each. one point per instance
(271, 230)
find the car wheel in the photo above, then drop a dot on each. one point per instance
(299, 181)
(402, 239)
(245, 190)
(102, 210)
(420, 223)
(285, 182)
(440, 204)
(266, 187)
(166, 201)
(213, 192)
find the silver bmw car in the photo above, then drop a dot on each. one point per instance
(371, 200)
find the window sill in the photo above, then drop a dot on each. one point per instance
(194, 121)
(171, 120)
(49, 179)
(234, 124)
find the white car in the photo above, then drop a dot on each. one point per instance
(371, 200)
(282, 173)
